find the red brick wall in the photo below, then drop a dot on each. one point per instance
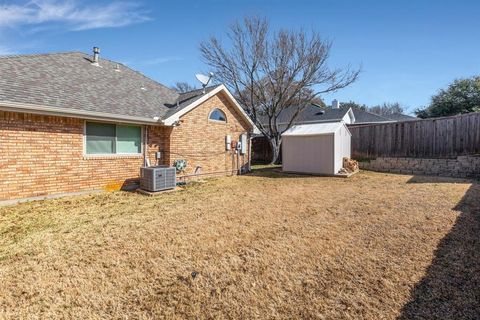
(201, 141)
(158, 140)
(41, 155)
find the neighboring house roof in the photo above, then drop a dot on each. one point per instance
(401, 117)
(311, 113)
(318, 114)
(69, 84)
(362, 116)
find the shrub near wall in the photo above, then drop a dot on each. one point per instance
(461, 167)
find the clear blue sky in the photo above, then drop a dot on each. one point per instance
(408, 49)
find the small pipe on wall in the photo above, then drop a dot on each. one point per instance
(145, 148)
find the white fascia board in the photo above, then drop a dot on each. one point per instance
(256, 130)
(170, 121)
(71, 113)
(176, 116)
(348, 130)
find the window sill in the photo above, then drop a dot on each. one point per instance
(111, 156)
(217, 121)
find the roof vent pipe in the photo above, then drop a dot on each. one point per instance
(96, 53)
(335, 104)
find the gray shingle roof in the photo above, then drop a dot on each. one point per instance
(362, 116)
(401, 117)
(309, 114)
(314, 113)
(188, 98)
(70, 80)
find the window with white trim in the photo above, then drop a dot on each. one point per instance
(217, 115)
(108, 138)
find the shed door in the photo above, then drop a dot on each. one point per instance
(308, 154)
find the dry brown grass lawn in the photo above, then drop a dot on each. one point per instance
(374, 246)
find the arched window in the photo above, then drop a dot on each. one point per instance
(217, 115)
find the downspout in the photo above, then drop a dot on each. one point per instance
(238, 163)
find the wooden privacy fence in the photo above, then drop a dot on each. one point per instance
(446, 137)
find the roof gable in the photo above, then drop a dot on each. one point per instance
(193, 102)
(187, 98)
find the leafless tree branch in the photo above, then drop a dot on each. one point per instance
(270, 72)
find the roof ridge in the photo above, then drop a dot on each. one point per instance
(199, 89)
(380, 116)
(33, 55)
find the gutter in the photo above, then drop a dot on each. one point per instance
(359, 124)
(72, 113)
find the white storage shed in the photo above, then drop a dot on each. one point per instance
(316, 148)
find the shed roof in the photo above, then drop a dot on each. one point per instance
(314, 129)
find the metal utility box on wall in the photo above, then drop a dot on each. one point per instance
(157, 178)
(316, 148)
(243, 141)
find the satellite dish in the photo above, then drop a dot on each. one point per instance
(205, 80)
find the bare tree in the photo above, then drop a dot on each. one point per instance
(353, 105)
(183, 87)
(269, 72)
(387, 109)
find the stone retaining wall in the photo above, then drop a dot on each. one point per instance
(461, 167)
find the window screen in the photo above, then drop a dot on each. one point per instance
(100, 138)
(129, 139)
(106, 138)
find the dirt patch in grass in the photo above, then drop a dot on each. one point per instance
(374, 246)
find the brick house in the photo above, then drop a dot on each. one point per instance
(70, 122)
